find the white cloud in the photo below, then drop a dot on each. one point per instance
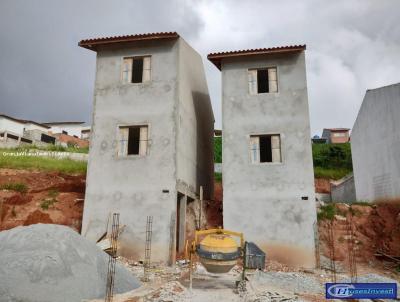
(352, 45)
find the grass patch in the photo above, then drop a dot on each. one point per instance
(218, 149)
(47, 203)
(15, 186)
(53, 193)
(217, 177)
(332, 161)
(330, 173)
(64, 165)
(56, 148)
(327, 212)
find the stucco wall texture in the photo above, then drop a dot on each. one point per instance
(273, 204)
(180, 137)
(375, 145)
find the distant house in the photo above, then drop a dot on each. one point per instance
(85, 132)
(336, 135)
(15, 132)
(70, 128)
(375, 145)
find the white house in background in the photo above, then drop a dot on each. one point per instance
(85, 132)
(70, 128)
(14, 132)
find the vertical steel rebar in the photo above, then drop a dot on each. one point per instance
(113, 258)
(147, 250)
(331, 241)
(351, 248)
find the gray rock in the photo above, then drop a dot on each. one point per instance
(53, 263)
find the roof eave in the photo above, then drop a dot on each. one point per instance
(93, 44)
(216, 58)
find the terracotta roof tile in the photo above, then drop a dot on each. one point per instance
(217, 57)
(94, 42)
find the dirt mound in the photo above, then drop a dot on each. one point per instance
(38, 217)
(52, 263)
(51, 197)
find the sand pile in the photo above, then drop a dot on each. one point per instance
(51, 263)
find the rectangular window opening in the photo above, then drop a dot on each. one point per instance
(133, 140)
(136, 70)
(265, 148)
(263, 80)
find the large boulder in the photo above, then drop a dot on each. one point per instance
(52, 263)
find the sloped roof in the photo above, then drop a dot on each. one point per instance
(93, 43)
(217, 57)
(23, 121)
(63, 123)
(337, 129)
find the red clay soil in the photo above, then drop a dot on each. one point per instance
(38, 217)
(322, 185)
(51, 198)
(214, 208)
(376, 228)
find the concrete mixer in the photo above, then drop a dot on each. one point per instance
(217, 250)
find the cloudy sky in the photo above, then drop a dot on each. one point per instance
(352, 45)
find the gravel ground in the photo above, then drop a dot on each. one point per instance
(289, 281)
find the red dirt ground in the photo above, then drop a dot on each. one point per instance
(376, 228)
(322, 185)
(214, 208)
(64, 194)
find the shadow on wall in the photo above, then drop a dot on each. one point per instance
(204, 142)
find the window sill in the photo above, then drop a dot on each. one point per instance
(131, 156)
(136, 84)
(265, 93)
(267, 164)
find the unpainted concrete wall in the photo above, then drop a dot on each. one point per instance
(195, 131)
(137, 186)
(344, 190)
(265, 200)
(375, 145)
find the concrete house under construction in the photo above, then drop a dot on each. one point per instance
(266, 152)
(152, 142)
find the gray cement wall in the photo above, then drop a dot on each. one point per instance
(375, 145)
(195, 131)
(344, 190)
(137, 186)
(265, 200)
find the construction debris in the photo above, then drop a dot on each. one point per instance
(48, 263)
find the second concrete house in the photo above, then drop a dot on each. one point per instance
(267, 165)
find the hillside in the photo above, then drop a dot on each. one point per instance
(332, 161)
